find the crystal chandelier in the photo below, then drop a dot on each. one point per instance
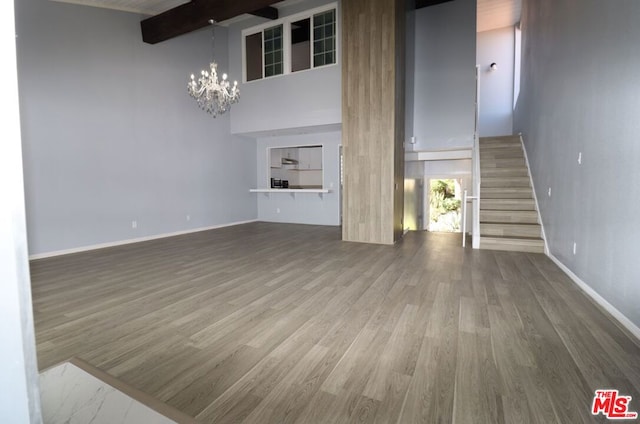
(213, 96)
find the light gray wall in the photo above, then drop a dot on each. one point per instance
(301, 208)
(444, 66)
(301, 99)
(111, 136)
(19, 396)
(579, 93)
(410, 73)
(496, 87)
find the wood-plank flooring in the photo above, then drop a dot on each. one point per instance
(279, 323)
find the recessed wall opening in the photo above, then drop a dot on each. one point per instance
(445, 203)
(296, 167)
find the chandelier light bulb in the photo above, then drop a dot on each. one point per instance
(213, 96)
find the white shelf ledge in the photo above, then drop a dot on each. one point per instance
(292, 191)
(289, 190)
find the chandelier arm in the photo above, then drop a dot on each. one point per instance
(212, 95)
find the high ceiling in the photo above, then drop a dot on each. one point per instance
(491, 13)
(148, 7)
(494, 14)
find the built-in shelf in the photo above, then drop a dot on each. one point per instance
(291, 191)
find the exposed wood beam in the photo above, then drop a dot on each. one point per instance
(425, 3)
(194, 15)
(266, 12)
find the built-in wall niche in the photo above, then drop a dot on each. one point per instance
(296, 167)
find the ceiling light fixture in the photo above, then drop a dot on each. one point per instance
(213, 96)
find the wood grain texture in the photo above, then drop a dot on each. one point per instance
(282, 323)
(373, 40)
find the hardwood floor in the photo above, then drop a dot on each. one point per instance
(278, 323)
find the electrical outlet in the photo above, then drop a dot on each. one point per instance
(134, 224)
(579, 158)
(549, 192)
(188, 217)
(277, 210)
(575, 246)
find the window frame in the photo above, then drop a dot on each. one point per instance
(286, 41)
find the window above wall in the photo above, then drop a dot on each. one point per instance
(306, 40)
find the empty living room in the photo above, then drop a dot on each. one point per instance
(219, 212)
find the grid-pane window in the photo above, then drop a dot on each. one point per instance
(273, 50)
(307, 40)
(324, 38)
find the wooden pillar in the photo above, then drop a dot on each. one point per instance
(373, 51)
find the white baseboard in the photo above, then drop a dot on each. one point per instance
(535, 196)
(619, 316)
(135, 240)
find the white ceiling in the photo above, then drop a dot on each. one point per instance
(492, 14)
(148, 7)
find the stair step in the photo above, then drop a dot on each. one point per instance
(509, 230)
(488, 182)
(520, 171)
(503, 153)
(514, 244)
(502, 163)
(500, 137)
(515, 217)
(506, 193)
(502, 140)
(507, 204)
(498, 146)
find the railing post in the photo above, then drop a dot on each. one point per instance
(464, 219)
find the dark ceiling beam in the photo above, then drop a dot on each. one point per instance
(266, 12)
(194, 15)
(425, 3)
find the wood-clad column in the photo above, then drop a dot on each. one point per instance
(373, 40)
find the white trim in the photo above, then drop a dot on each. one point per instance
(286, 40)
(135, 240)
(535, 196)
(619, 316)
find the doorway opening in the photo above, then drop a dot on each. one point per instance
(445, 203)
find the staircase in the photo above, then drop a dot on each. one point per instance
(508, 215)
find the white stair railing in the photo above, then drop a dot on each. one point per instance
(475, 172)
(475, 201)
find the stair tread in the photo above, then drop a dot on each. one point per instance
(504, 179)
(510, 223)
(488, 147)
(502, 200)
(489, 216)
(504, 189)
(508, 215)
(513, 238)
